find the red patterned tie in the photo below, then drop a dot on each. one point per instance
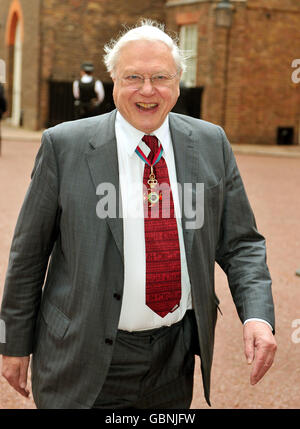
(163, 268)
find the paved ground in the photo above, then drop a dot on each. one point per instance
(272, 182)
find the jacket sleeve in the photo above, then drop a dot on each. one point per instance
(241, 250)
(32, 243)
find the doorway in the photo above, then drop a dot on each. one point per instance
(14, 43)
(17, 77)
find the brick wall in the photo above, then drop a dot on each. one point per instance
(30, 57)
(259, 95)
(60, 35)
(75, 31)
(268, 97)
(31, 64)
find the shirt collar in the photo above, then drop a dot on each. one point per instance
(135, 136)
(86, 78)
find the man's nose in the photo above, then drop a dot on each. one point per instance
(147, 87)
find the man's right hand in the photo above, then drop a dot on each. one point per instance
(15, 370)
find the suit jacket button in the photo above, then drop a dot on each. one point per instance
(108, 341)
(117, 296)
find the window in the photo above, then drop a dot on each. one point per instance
(188, 43)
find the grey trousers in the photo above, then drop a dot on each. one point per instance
(151, 369)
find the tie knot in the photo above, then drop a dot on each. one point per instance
(151, 142)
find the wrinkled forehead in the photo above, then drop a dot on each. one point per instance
(139, 55)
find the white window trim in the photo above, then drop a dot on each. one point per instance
(188, 36)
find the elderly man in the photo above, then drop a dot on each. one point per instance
(129, 296)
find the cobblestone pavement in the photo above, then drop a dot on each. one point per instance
(273, 184)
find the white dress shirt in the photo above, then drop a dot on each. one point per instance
(135, 314)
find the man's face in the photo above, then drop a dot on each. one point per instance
(147, 106)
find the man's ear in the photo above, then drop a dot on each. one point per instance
(180, 75)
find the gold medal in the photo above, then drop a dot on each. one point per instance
(153, 197)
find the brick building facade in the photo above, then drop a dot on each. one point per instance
(246, 69)
(56, 37)
(243, 72)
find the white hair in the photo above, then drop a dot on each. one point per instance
(146, 30)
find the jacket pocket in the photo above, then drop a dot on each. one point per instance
(214, 197)
(57, 322)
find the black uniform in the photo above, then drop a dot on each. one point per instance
(3, 105)
(87, 105)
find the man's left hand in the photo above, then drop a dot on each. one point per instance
(260, 348)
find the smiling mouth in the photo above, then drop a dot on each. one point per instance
(146, 106)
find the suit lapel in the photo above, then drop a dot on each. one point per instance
(102, 160)
(186, 170)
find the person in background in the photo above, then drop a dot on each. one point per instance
(88, 93)
(3, 104)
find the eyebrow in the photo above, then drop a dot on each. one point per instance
(132, 70)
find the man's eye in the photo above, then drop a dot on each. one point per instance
(133, 77)
(160, 77)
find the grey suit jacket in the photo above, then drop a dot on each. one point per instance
(70, 324)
